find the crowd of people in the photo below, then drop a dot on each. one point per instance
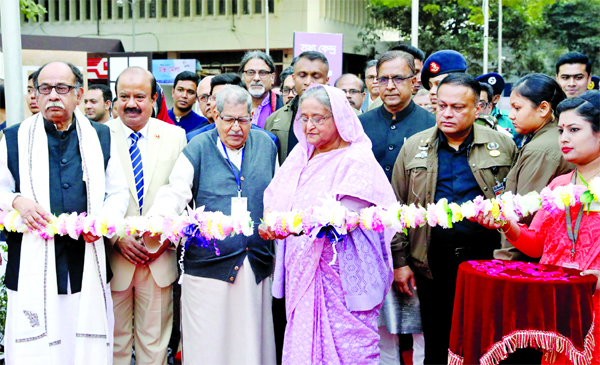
(411, 129)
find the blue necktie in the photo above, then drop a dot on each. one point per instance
(136, 163)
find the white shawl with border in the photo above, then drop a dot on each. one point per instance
(37, 329)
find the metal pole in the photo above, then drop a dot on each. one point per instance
(13, 61)
(486, 25)
(266, 26)
(500, 37)
(132, 25)
(414, 33)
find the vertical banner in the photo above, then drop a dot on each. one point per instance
(329, 44)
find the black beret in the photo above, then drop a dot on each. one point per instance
(495, 80)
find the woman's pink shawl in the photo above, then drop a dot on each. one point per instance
(352, 171)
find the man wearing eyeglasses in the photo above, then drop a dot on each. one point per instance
(55, 162)
(226, 294)
(288, 92)
(258, 72)
(311, 67)
(354, 89)
(203, 95)
(389, 125)
(371, 83)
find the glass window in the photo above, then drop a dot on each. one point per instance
(210, 7)
(198, 7)
(108, 9)
(77, 10)
(221, 7)
(187, 8)
(245, 6)
(88, 10)
(152, 9)
(165, 9)
(142, 7)
(271, 6)
(257, 6)
(234, 5)
(175, 8)
(56, 11)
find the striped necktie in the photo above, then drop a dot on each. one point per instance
(136, 163)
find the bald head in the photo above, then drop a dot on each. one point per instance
(136, 95)
(139, 72)
(354, 89)
(203, 95)
(59, 91)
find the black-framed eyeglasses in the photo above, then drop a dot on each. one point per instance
(287, 90)
(60, 89)
(261, 73)
(316, 120)
(232, 120)
(398, 79)
(483, 104)
(351, 91)
(203, 98)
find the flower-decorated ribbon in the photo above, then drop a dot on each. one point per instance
(331, 219)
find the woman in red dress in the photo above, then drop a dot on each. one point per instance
(548, 235)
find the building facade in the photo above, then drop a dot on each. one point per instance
(215, 32)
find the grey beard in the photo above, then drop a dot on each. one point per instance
(256, 93)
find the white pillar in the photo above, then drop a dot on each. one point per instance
(414, 33)
(13, 61)
(266, 26)
(500, 37)
(486, 26)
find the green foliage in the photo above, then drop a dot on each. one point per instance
(534, 34)
(31, 9)
(574, 25)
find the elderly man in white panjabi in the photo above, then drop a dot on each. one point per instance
(59, 303)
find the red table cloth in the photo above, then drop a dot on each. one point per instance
(504, 305)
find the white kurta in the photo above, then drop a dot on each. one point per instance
(225, 323)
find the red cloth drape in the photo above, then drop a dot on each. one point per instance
(499, 310)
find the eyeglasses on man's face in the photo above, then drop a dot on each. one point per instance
(60, 89)
(398, 79)
(203, 98)
(287, 90)
(231, 120)
(261, 73)
(352, 92)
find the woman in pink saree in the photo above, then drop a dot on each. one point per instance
(548, 235)
(333, 292)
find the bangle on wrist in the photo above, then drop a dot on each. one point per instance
(504, 232)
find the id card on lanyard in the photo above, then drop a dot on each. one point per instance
(239, 204)
(573, 232)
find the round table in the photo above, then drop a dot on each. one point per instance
(504, 305)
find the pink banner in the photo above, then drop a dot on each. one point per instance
(330, 45)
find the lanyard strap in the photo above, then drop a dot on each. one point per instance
(570, 232)
(238, 179)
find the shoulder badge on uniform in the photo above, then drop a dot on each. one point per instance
(492, 146)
